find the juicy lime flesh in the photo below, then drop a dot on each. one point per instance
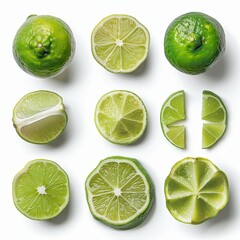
(120, 43)
(41, 190)
(195, 190)
(173, 111)
(193, 42)
(121, 117)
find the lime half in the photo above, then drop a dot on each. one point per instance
(41, 189)
(119, 192)
(121, 117)
(173, 111)
(195, 190)
(214, 114)
(39, 117)
(120, 43)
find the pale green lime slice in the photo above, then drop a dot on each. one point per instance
(119, 192)
(120, 43)
(173, 111)
(195, 190)
(121, 117)
(214, 113)
(41, 189)
(39, 117)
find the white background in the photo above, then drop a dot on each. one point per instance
(81, 147)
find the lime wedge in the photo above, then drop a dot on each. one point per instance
(173, 111)
(41, 189)
(214, 113)
(39, 117)
(121, 117)
(120, 43)
(119, 192)
(195, 190)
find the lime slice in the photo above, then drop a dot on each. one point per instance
(121, 117)
(119, 192)
(41, 189)
(39, 117)
(195, 190)
(215, 114)
(120, 43)
(173, 111)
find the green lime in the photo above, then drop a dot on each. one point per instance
(120, 43)
(214, 113)
(41, 189)
(44, 46)
(193, 42)
(173, 111)
(119, 192)
(121, 117)
(195, 190)
(39, 117)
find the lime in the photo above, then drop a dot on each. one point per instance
(39, 117)
(195, 190)
(121, 117)
(41, 189)
(214, 113)
(173, 111)
(193, 42)
(120, 43)
(43, 46)
(119, 192)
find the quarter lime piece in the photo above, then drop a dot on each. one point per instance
(120, 43)
(121, 117)
(41, 189)
(214, 113)
(39, 117)
(173, 111)
(195, 190)
(119, 192)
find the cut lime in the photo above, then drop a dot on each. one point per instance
(119, 192)
(215, 114)
(120, 43)
(121, 117)
(195, 190)
(173, 111)
(41, 189)
(39, 117)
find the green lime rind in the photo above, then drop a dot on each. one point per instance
(24, 190)
(142, 214)
(194, 42)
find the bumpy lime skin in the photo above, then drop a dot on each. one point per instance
(44, 46)
(194, 42)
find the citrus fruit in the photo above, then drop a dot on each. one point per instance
(173, 111)
(119, 192)
(193, 42)
(195, 190)
(39, 117)
(120, 43)
(41, 189)
(121, 117)
(43, 46)
(214, 114)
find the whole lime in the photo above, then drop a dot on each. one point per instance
(194, 42)
(44, 46)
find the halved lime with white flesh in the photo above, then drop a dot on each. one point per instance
(120, 43)
(214, 113)
(39, 117)
(121, 117)
(173, 111)
(119, 192)
(195, 190)
(41, 189)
